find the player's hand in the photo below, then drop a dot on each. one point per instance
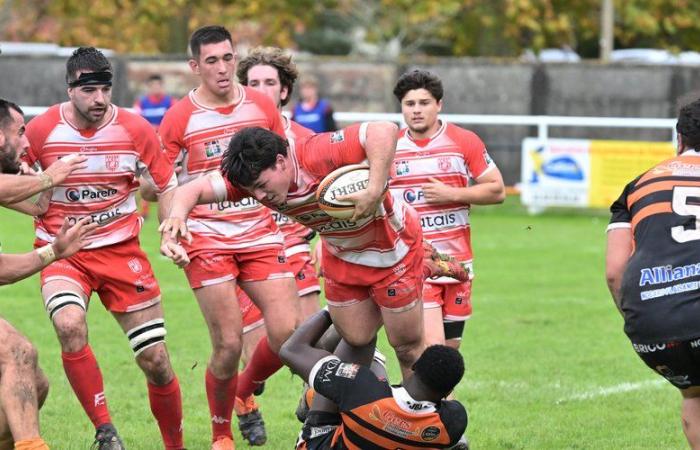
(437, 192)
(26, 169)
(366, 203)
(60, 169)
(43, 201)
(316, 258)
(71, 239)
(176, 252)
(174, 228)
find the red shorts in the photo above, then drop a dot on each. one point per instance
(252, 316)
(454, 299)
(120, 274)
(396, 288)
(304, 273)
(214, 267)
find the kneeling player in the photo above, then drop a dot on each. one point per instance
(371, 413)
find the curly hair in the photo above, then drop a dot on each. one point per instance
(440, 368)
(273, 57)
(86, 58)
(418, 79)
(251, 151)
(688, 125)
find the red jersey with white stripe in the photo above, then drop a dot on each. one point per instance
(125, 147)
(453, 156)
(294, 232)
(380, 241)
(196, 137)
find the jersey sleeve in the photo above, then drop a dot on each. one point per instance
(172, 132)
(224, 190)
(156, 167)
(325, 152)
(348, 385)
(620, 213)
(454, 418)
(475, 154)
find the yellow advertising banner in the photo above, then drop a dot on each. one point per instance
(613, 164)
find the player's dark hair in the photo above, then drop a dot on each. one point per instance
(688, 125)
(251, 151)
(86, 59)
(5, 114)
(273, 57)
(154, 77)
(439, 368)
(210, 34)
(418, 79)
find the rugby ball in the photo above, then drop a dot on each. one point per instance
(342, 181)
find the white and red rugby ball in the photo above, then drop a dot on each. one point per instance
(342, 181)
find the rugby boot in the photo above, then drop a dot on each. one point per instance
(259, 389)
(250, 421)
(106, 438)
(436, 264)
(223, 443)
(462, 444)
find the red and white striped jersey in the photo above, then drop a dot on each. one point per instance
(294, 232)
(453, 156)
(380, 241)
(196, 137)
(125, 147)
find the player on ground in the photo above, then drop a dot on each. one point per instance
(372, 262)
(652, 267)
(23, 386)
(232, 240)
(371, 414)
(119, 146)
(435, 162)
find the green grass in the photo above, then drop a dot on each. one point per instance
(545, 351)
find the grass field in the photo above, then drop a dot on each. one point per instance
(548, 366)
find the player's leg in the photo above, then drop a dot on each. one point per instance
(145, 329)
(308, 286)
(23, 388)
(457, 309)
(433, 314)
(690, 415)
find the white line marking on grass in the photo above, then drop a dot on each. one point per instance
(611, 390)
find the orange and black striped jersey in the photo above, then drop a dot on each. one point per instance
(661, 285)
(375, 415)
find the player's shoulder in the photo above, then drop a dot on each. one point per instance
(257, 97)
(299, 131)
(453, 415)
(131, 121)
(48, 118)
(462, 135)
(179, 113)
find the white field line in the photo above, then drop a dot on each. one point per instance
(612, 390)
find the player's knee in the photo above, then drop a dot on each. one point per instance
(71, 329)
(407, 352)
(42, 387)
(155, 363)
(17, 351)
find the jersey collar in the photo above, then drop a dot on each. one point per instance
(690, 152)
(408, 404)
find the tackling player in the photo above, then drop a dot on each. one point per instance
(371, 414)
(653, 267)
(23, 386)
(373, 262)
(118, 146)
(233, 241)
(434, 164)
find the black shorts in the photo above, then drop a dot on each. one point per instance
(677, 361)
(318, 431)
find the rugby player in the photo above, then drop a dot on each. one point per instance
(370, 414)
(653, 267)
(434, 164)
(373, 262)
(233, 241)
(118, 146)
(23, 386)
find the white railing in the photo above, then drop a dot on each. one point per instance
(543, 123)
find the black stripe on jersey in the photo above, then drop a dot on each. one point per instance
(650, 199)
(373, 429)
(668, 178)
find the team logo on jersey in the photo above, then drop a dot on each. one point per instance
(410, 196)
(487, 157)
(347, 370)
(430, 433)
(212, 149)
(392, 423)
(135, 265)
(338, 136)
(72, 194)
(444, 163)
(86, 149)
(112, 162)
(402, 168)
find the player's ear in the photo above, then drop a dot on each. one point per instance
(439, 105)
(194, 67)
(284, 92)
(2, 137)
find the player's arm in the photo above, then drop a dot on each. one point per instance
(488, 189)
(14, 267)
(16, 188)
(617, 253)
(298, 352)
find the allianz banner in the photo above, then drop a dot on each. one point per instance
(583, 173)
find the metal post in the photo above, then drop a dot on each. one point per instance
(607, 18)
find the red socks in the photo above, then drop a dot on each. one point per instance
(263, 363)
(86, 379)
(166, 406)
(221, 395)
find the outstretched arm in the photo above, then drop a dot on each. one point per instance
(298, 352)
